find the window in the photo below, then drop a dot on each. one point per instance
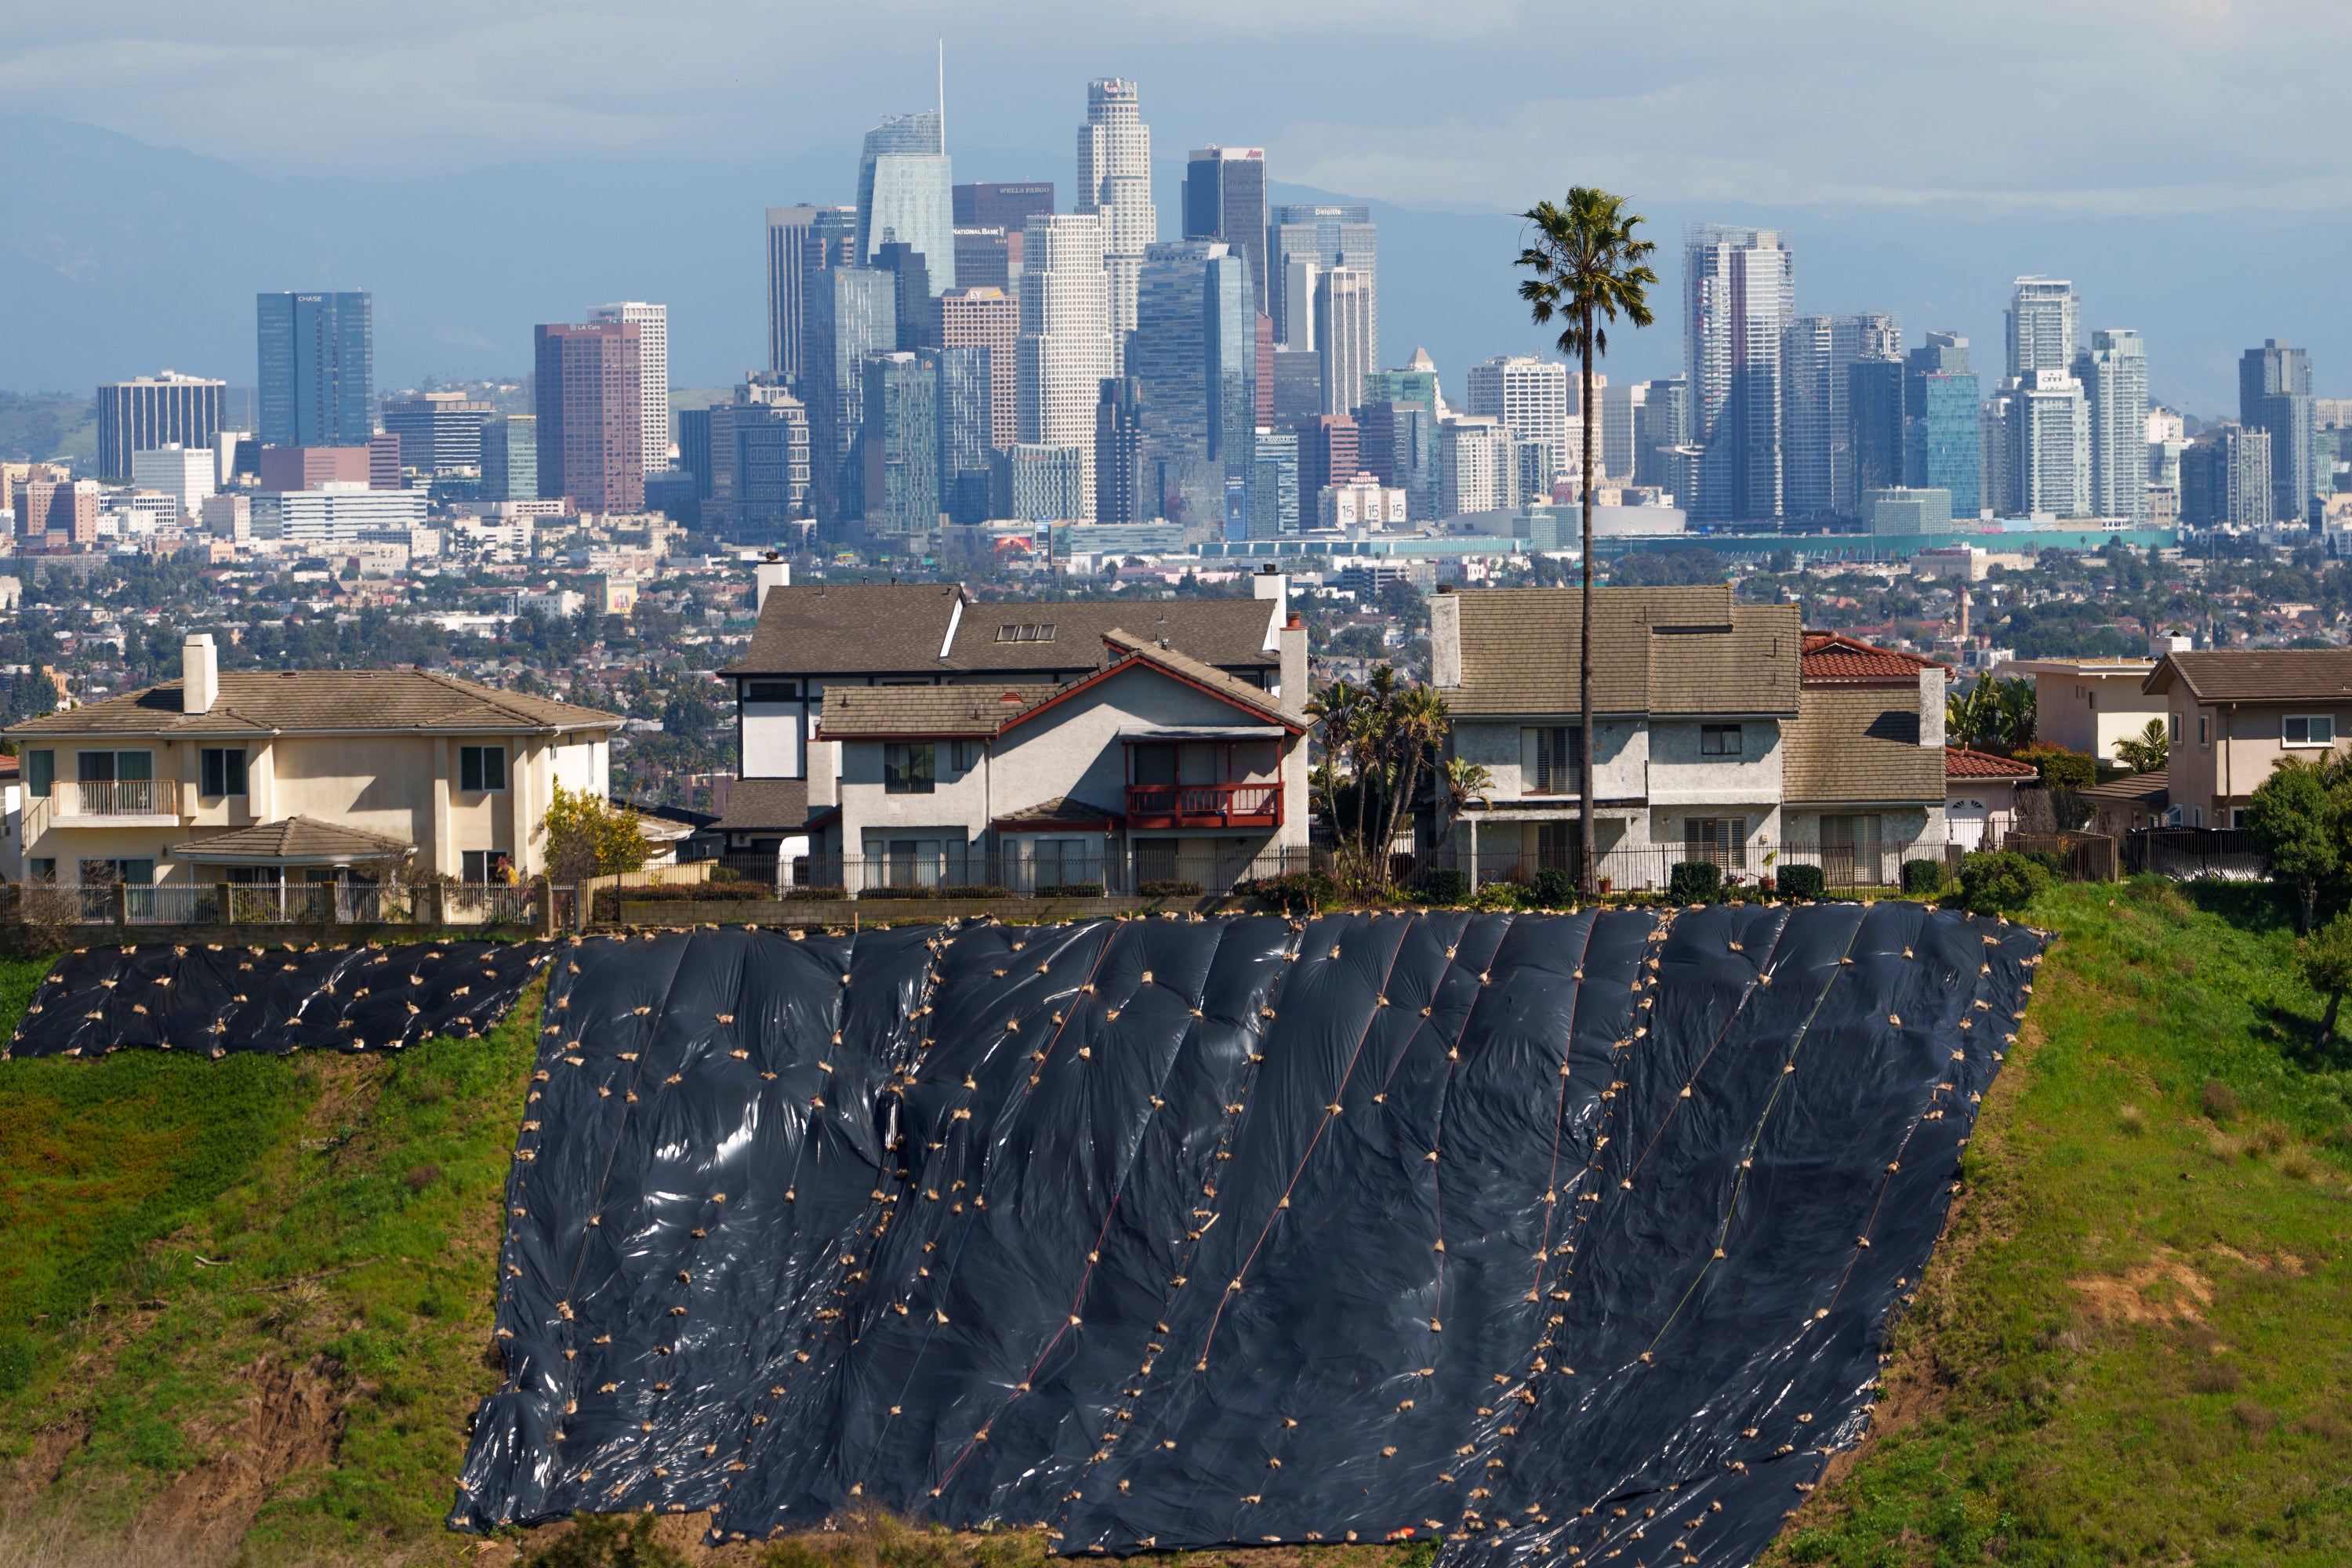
(2204, 736)
(223, 771)
(485, 866)
(481, 769)
(1721, 839)
(967, 755)
(2310, 729)
(40, 772)
(114, 768)
(42, 869)
(2176, 729)
(1551, 760)
(909, 768)
(1851, 851)
(1027, 632)
(1719, 740)
(771, 691)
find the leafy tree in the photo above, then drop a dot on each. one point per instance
(2148, 752)
(2000, 883)
(590, 837)
(2326, 955)
(1588, 268)
(2296, 818)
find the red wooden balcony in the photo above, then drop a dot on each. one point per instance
(1204, 806)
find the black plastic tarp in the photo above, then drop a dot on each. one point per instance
(1566, 1239)
(216, 999)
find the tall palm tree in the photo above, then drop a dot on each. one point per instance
(1588, 269)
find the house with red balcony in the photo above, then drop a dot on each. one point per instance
(1157, 767)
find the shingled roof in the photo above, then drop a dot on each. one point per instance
(2257, 674)
(322, 702)
(294, 841)
(889, 712)
(1660, 651)
(1860, 746)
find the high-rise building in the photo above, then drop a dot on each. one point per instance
(967, 422)
(653, 373)
(1740, 292)
(1224, 199)
(317, 355)
(989, 258)
(2114, 373)
(1295, 389)
(2050, 445)
(1193, 358)
(1997, 452)
(1662, 425)
(1415, 381)
(1616, 443)
(801, 239)
(1032, 482)
(2226, 479)
(1942, 437)
(1477, 470)
(183, 473)
(57, 505)
(1001, 205)
(1533, 399)
(757, 457)
(592, 448)
(1397, 442)
(988, 318)
(910, 292)
(155, 411)
(852, 312)
(1115, 184)
(1875, 456)
(510, 457)
(2042, 320)
(1316, 237)
(905, 192)
(1818, 463)
(1347, 334)
(1118, 450)
(1327, 453)
(901, 438)
(1274, 484)
(2274, 395)
(1065, 348)
(440, 432)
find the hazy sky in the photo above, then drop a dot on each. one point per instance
(2075, 106)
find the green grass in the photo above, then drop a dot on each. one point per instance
(2135, 1345)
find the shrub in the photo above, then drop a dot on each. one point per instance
(1997, 883)
(1444, 885)
(1552, 888)
(1299, 893)
(1070, 890)
(2061, 769)
(815, 895)
(1801, 882)
(2221, 1102)
(1923, 877)
(1169, 888)
(722, 873)
(609, 1540)
(1695, 882)
(896, 893)
(976, 890)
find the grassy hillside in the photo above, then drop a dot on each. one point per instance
(248, 1302)
(41, 427)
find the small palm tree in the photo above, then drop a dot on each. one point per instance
(1466, 781)
(1588, 269)
(2148, 752)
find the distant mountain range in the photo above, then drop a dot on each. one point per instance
(119, 259)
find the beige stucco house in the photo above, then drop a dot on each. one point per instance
(2088, 704)
(300, 775)
(2233, 712)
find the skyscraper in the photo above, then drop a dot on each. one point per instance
(1274, 484)
(1476, 470)
(1002, 205)
(1415, 381)
(800, 240)
(1193, 359)
(1818, 426)
(1941, 434)
(653, 372)
(910, 291)
(1874, 454)
(2050, 444)
(967, 426)
(2114, 373)
(1314, 239)
(901, 441)
(155, 411)
(1224, 199)
(2274, 395)
(440, 432)
(1532, 397)
(1663, 426)
(988, 258)
(2226, 479)
(984, 318)
(852, 312)
(510, 457)
(1327, 455)
(317, 358)
(2043, 316)
(1740, 292)
(1064, 347)
(592, 444)
(1347, 334)
(905, 192)
(1115, 184)
(757, 460)
(1397, 442)
(1118, 450)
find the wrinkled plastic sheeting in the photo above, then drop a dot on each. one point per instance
(216, 1000)
(1554, 1235)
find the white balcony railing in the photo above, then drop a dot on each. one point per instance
(113, 797)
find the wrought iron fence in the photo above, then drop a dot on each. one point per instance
(280, 903)
(1650, 868)
(2187, 853)
(1174, 868)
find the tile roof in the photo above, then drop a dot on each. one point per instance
(765, 805)
(874, 712)
(1834, 659)
(1860, 744)
(1966, 762)
(1655, 650)
(294, 839)
(323, 701)
(2257, 674)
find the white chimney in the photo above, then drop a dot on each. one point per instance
(199, 673)
(1270, 584)
(771, 574)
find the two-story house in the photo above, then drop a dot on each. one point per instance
(1722, 732)
(2232, 714)
(300, 775)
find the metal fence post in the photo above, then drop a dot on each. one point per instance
(120, 901)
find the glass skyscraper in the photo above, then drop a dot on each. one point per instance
(2275, 395)
(511, 458)
(1740, 295)
(1224, 199)
(905, 192)
(2114, 373)
(966, 416)
(316, 354)
(851, 312)
(902, 444)
(1193, 358)
(1942, 430)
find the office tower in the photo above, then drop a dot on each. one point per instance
(801, 239)
(1264, 360)
(309, 467)
(1739, 293)
(384, 461)
(1415, 381)
(1193, 358)
(1295, 390)
(1662, 425)
(1032, 482)
(440, 432)
(1873, 455)
(1321, 237)
(1065, 348)
(1347, 334)
(1001, 205)
(2050, 445)
(1274, 484)
(2228, 479)
(1327, 455)
(1531, 397)
(967, 420)
(1615, 444)
(754, 450)
(1224, 199)
(910, 292)
(1476, 466)
(653, 372)
(592, 448)
(155, 411)
(183, 473)
(1942, 437)
(1818, 422)
(901, 438)
(57, 505)
(2114, 373)
(695, 460)
(2042, 320)
(988, 258)
(1115, 184)
(1536, 466)
(1397, 442)
(317, 355)
(1118, 450)
(2274, 395)
(511, 458)
(905, 192)
(975, 317)
(852, 312)
(1997, 454)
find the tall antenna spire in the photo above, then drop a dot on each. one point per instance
(943, 92)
